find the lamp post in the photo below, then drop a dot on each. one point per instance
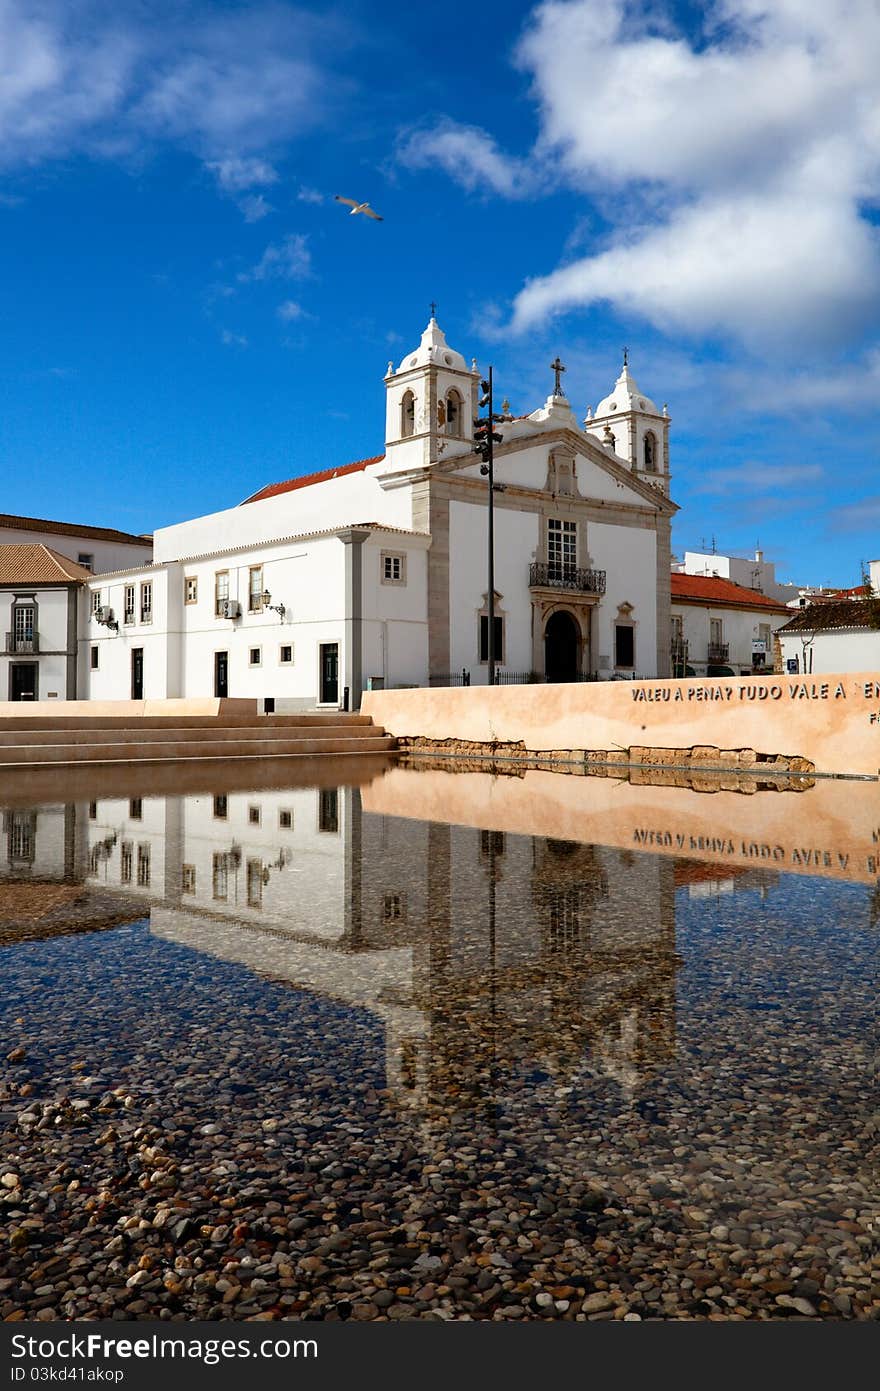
(486, 438)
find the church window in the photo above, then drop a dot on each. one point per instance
(650, 452)
(393, 568)
(221, 592)
(484, 638)
(147, 601)
(624, 645)
(191, 589)
(453, 413)
(407, 414)
(561, 548)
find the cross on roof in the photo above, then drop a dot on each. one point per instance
(626, 357)
(558, 368)
(433, 309)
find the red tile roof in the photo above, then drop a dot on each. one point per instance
(33, 563)
(712, 589)
(8, 522)
(306, 481)
(826, 617)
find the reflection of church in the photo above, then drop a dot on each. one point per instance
(485, 956)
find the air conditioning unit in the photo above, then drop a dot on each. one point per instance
(231, 608)
(103, 614)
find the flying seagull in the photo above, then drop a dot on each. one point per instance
(357, 207)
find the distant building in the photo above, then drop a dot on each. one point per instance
(375, 572)
(751, 572)
(95, 548)
(719, 628)
(842, 635)
(40, 593)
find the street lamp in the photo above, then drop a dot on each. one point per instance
(266, 603)
(485, 439)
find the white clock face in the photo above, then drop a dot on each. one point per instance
(613, 406)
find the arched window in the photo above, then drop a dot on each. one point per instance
(650, 453)
(407, 414)
(453, 413)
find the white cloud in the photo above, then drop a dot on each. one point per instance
(80, 76)
(863, 515)
(309, 195)
(289, 311)
(288, 259)
(254, 207)
(469, 155)
(753, 476)
(232, 340)
(235, 175)
(734, 167)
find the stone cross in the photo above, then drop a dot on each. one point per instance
(558, 368)
(433, 309)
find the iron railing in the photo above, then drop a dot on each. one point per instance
(718, 652)
(450, 678)
(16, 644)
(552, 575)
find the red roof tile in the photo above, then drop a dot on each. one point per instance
(712, 589)
(8, 522)
(33, 563)
(306, 481)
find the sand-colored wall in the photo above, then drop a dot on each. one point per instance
(118, 709)
(831, 829)
(833, 720)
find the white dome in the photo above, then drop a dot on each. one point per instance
(433, 350)
(625, 397)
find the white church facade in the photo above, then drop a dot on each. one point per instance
(375, 572)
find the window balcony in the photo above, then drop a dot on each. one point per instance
(552, 575)
(22, 644)
(718, 652)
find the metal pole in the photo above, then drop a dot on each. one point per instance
(491, 461)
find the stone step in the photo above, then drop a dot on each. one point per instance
(306, 720)
(29, 755)
(218, 734)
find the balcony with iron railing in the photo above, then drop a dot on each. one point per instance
(552, 575)
(22, 644)
(718, 652)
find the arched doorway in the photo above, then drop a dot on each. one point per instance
(561, 647)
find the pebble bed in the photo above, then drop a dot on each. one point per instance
(185, 1139)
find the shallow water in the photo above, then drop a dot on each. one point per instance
(284, 1052)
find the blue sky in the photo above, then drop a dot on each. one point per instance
(186, 313)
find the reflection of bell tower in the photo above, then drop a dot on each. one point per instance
(430, 403)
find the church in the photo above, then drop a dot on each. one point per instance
(374, 574)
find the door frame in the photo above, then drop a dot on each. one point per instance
(321, 647)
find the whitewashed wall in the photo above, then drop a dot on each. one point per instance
(108, 555)
(858, 650)
(51, 627)
(628, 555)
(738, 628)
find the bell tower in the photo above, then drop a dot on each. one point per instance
(430, 403)
(630, 423)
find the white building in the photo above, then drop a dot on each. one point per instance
(39, 616)
(719, 628)
(833, 636)
(377, 571)
(95, 548)
(752, 572)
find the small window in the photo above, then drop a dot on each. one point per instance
(285, 655)
(255, 656)
(394, 908)
(187, 879)
(624, 645)
(93, 658)
(86, 560)
(484, 638)
(221, 593)
(93, 811)
(393, 568)
(221, 808)
(128, 604)
(191, 589)
(96, 600)
(136, 809)
(255, 816)
(328, 810)
(147, 602)
(126, 862)
(255, 589)
(143, 866)
(285, 820)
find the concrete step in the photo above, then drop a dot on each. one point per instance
(219, 735)
(30, 755)
(306, 720)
